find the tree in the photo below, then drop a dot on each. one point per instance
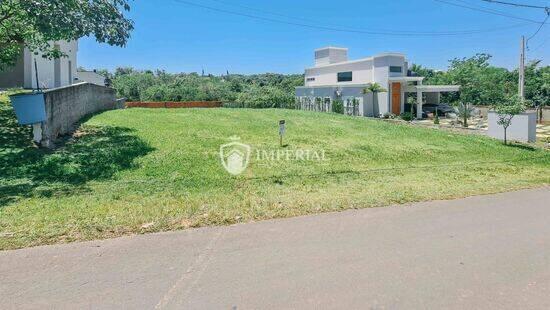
(374, 88)
(537, 86)
(465, 112)
(264, 97)
(506, 112)
(36, 23)
(481, 84)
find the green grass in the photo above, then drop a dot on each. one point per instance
(137, 170)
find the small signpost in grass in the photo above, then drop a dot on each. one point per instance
(282, 130)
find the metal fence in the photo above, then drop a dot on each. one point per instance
(319, 104)
(351, 107)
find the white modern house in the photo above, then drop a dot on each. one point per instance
(334, 76)
(91, 77)
(51, 72)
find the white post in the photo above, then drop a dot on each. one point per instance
(37, 132)
(419, 104)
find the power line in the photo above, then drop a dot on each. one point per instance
(538, 30)
(489, 11)
(347, 27)
(545, 8)
(327, 28)
(541, 45)
(518, 4)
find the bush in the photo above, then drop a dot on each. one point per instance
(265, 97)
(338, 106)
(253, 91)
(406, 116)
(388, 115)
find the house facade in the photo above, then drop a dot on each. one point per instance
(335, 77)
(91, 77)
(52, 73)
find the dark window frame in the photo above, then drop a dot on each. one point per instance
(394, 68)
(345, 76)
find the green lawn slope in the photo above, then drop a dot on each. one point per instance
(139, 170)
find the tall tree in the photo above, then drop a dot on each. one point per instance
(36, 23)
(537, 85)
(481, 83)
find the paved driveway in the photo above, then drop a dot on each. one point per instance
(488, 252)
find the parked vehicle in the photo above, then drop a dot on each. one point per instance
(442, 109)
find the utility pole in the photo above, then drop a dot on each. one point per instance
(522, 69)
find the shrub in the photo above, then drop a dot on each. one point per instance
(338, 106)
(388, 115)
(407, 116)
(265, 97)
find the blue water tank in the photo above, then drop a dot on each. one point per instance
(29, 108)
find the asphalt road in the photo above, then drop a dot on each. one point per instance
(488, 252)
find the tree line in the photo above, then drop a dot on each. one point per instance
(482, 84)
(268, 90)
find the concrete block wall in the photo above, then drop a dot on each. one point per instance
(485, 112)
(66, 106)
(523, 127)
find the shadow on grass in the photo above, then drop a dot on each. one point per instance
(522, 146)
(95, 153)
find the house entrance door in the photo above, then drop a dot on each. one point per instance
(396, 98)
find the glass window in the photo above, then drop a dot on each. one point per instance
(396, 69)
(345, 76)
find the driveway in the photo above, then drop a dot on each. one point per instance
(487, 252)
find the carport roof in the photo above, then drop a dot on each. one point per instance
(406, 78)
(437, 88)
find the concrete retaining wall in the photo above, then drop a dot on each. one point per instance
(66, 106)
(485, 111)
(523, 127)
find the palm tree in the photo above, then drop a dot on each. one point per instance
(374, 88)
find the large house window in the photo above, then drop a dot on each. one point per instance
(345, 76)
(396, 69)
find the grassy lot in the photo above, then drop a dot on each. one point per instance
(137, 170)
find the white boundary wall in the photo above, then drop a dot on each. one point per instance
(522, 129)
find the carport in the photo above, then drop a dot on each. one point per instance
(401, 85)
(433, 94)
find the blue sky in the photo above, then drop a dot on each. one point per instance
(179, 37)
